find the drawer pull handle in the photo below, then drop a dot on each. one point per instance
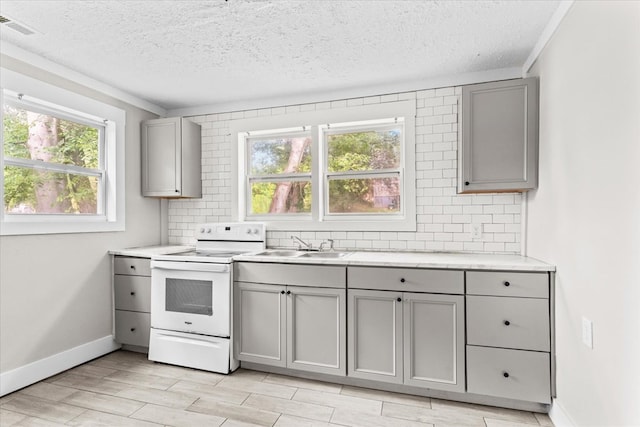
(187, 323)
(133, 329)
(507, 323)
(507, 284)
(133, 267)
(132, 293)
(505, 374)
(399, 299)
(402, 280)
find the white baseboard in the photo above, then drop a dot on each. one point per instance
(44, 368)
(559, 416)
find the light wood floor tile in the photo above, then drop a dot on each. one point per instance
(251, 386)
(170, 399)
(339, 401)
(292, 421)
(176, 417)
(241, 413)
(303, 383)
(385, 396)
(290, 407)
(48, 391)
(145, 380)
(96, 385)
(485, 411)
(9, 418)
(358, 419)
(103, 403)
(104, 391)
(431, 416)
(210, 392)
(45, 409)
(102, 419)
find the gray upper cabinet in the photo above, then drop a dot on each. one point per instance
(171, 152)
(498, 148)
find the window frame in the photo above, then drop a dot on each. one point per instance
(44, 97)
(315, 120)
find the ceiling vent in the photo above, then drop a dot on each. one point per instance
(16, 26)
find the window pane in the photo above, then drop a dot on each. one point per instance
(30, 191)
(36, 136)
(282, 197)
(364, 195)
(360, 151)
(270, 156)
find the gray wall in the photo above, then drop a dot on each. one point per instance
(585, 216)
(55, 290)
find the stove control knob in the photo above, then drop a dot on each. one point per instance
(248, 231)
(255, 231)
(202, 230)
(208, 230)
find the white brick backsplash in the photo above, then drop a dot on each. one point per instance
(444, 217)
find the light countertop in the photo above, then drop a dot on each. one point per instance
(461, 261)
(149, 251)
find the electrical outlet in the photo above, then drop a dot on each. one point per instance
(587, 332)
(476, 231)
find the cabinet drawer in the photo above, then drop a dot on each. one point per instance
(132, 293)
(521, 323)
(132, 266)
(509, 284)
(513, 374)
(132, 328)
(287, 274)
(406, 279)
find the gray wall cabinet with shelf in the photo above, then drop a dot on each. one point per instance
(498, 147)
(132, 298)
(291, 316)
(171, 153)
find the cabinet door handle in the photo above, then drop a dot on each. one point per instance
(466, 183)
(402, 280)
(132, 293)
(507, 323)
(288, 292)
(133, 329)
(505, 374)
(177, 191)
(507, 284)
(399, 299)
(282, 292)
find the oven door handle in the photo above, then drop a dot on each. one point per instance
(190, 266)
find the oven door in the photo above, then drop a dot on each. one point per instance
(191, 297)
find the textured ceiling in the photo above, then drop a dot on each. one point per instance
(179, 54)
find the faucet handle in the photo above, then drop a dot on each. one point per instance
(330, 241)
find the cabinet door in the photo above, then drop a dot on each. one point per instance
(259, 323)
(375, 335)
(161, 157)
(499, 144)
(316, 329)
(434, 341)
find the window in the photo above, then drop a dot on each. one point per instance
(59, 160)
(340, 169)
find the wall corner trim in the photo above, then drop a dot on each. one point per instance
(31, 373)
(546, 35)
(559, 416)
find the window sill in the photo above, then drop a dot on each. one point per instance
(30, 227)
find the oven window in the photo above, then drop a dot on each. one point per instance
(189, 296)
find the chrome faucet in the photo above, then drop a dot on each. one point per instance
(329, 241)
(302, 243)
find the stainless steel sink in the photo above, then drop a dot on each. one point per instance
(279, 253)
(324, 254)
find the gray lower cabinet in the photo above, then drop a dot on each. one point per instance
(498, 149)
(509, 335)
(298, 327)
(132, 299)
(409, 338)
